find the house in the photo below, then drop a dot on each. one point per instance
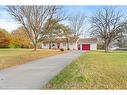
(74, 44)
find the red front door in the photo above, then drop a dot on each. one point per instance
(85, 46)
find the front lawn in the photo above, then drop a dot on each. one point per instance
(93, 70)
(12, 57)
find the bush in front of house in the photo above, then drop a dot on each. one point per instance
(68, 49)
(61, 49)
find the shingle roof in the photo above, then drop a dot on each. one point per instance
(81, 40)
(87, 40)
(60, 40)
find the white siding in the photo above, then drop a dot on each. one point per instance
(73, 46)
(93, 46)
(45, 46)
(62, 45)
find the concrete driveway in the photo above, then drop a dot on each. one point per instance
(35, 74)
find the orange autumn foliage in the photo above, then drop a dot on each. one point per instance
(20, 38)
(4, 38)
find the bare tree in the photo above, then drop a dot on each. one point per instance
(76, 23)
(33, 18)
(108, 24)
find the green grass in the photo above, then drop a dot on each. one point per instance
(93, 70)
(12, 57)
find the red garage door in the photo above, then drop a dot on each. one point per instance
(85, 46)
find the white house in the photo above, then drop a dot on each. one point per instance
(79, 44)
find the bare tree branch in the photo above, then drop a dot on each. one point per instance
(76, 23)
(107, 24)
(33, 18)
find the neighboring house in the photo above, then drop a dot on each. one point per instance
(75, 44)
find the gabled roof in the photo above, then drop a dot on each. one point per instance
(87, 40)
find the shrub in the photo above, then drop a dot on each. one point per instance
(61, 49)
(14, 46)
(68, 49)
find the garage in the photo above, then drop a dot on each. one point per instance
(85, 46)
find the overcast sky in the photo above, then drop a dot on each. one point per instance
(9, 24)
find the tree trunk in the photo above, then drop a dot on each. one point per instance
(68, 44)
(35, 47)
(106, 49)
(106, 45)
(50, 45)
